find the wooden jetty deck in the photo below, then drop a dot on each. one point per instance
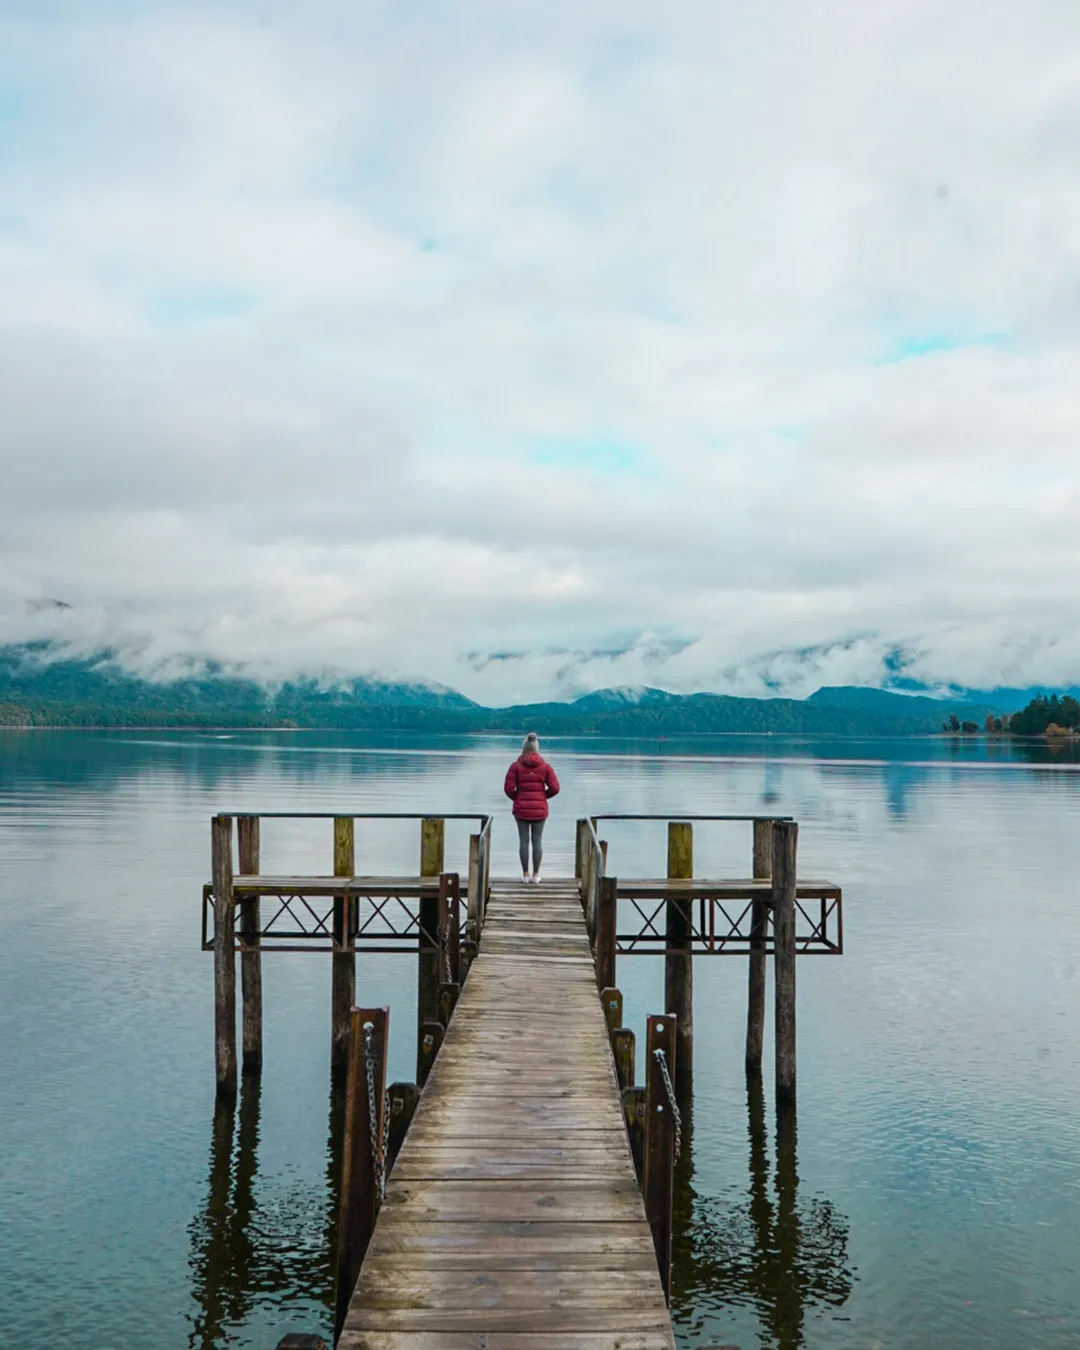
(513, 1218)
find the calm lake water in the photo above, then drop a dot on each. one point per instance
(932, 1197)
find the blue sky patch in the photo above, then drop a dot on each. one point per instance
(603, 455)
(198, 306)
(934, 344)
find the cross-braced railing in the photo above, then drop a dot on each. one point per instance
(721, 925)
(382, 918)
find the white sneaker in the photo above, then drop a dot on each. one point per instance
(536, 878)
(526, 878)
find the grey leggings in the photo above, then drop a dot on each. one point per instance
(536, 829)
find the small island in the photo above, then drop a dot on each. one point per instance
(1053, 717)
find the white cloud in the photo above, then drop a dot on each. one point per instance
(291, 301)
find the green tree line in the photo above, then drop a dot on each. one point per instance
(1044, 712)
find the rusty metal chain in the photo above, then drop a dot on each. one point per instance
(661, 1059)
(377, 1137)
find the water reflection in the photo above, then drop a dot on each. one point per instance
(250, 1248)
(769, 1250)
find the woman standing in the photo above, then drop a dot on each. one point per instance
(530, 782)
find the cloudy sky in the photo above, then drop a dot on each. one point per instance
(535, 347)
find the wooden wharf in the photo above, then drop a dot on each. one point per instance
(518, 1195)
(513, 1217)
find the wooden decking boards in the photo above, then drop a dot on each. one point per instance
(513, 1219)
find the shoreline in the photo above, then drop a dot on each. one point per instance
(227, 729)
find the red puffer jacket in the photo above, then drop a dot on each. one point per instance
(530, 781)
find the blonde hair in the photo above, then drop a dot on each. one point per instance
(531, 744)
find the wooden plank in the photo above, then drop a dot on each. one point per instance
(660, 1339)
(603, 1318)
(397, 1232)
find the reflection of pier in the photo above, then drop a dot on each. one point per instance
(782, 1256)
(238, 1258)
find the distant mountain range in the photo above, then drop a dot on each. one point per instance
(39, 686)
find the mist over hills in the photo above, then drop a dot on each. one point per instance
(39, 686)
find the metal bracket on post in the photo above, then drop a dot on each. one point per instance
(450, 927)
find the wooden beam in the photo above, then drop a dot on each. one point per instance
(224, 956)
(658, 1181)
(678, 958)
(759, 922)
(428, 975)
(247, 832)
(605, 933)
(343, 964)
(785, 838)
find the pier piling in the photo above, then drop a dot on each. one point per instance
(678, 961)
(785, 836)
(429, 977)
(605, 933)
(759, 920)
(343, 964)
(472, 918)
(404, 1098)
(247, 834)
(660, 1136)
(221, 863)
(611, 1000)
(363, 1166)
(623, 1047)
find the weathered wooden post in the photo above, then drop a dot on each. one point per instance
(623, 1048)
(224, 955)
(485, 874)
(247, 831)
(363, 1169)
(432, 856)
(622, 1038)
(661, 1135)
(611, 1000)
(343, 963)
(606, 910)
(584, 843)
(759, 922)
(469, 953)
(431, 1039)
(678, 958)
(633, 1106)
(579, 850)
(404, 1098)
(472, 920)
(785, 837)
